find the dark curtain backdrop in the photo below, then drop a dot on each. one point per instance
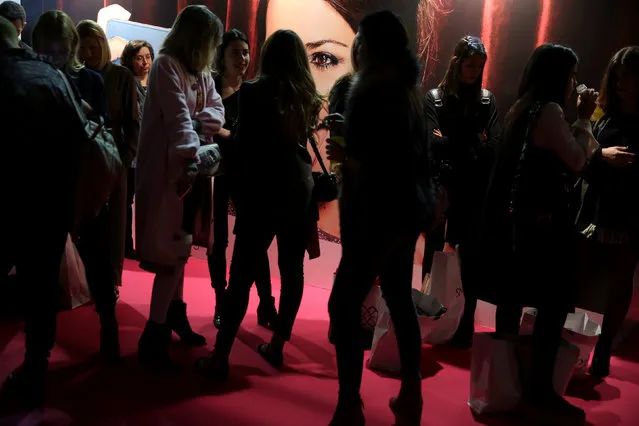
(510, 28)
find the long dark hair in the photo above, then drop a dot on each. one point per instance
(229, 37)
(466, 48)
(545, 79)
(284, 62)
(388, 56)
(628, 57)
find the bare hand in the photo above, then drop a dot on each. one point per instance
(224, 134)
(618, 156)
(438, 133)
(335, 152)
(587, 103)
(483, 137)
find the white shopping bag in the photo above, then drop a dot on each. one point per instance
(445, 285)
(494, 375)
(579, 330)
(74, 288)
(384, 353)
(500, 366)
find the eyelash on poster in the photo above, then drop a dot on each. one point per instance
(329, 57)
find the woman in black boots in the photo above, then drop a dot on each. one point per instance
(182, 111)
(610, 211)
(381, 214)
(233, 58)
(278, 113)
(465, 131)
(529, 226)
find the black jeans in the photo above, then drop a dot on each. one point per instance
(98, 263)
(365, 256)
(39, 274)
(217, 257)
(130, 195)
(251, 244)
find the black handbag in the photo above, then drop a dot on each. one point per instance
(325, 187)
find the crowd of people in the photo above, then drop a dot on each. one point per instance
(523, 200)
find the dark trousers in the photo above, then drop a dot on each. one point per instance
(252, 241)
(365, 256)
(217, 257)
(612, 266)
(130, 195)
(100, 266)
(543, 276)
(40, 275)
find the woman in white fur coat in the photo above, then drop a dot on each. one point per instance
(182, 108)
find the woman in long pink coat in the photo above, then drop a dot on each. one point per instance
(181, 109)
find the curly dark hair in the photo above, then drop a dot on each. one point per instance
(131, 49)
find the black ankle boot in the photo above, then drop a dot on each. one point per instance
(267, 313)
(153, 348)
(349, 413)
(177, 321)
(25, 388)
(109, 338)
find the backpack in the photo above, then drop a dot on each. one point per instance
(100, 165)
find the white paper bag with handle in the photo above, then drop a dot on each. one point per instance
(74, 288)
(384, 354)
(494, 375)
(579, 330)
(445, 285)
(500, 367)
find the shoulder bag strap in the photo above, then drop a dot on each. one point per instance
(313, 143)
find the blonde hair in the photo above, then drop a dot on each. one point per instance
(57, 25)
(88, 28)
(194, 39)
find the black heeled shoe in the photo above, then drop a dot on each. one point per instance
(153, 348)
(177, 321)
(267, 313)
(406, 414)
(213, 367)
(271, 355)
(349, 414)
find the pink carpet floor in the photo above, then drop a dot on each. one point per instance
(83, 392)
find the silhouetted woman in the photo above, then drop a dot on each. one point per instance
(381, 213)
(465, 130)
(528, 237)
(277, 113)
(611, 204)
(233, 58)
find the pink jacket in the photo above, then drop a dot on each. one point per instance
(167, 139)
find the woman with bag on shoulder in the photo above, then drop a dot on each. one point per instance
(610, 208)
(233, 58)
(277, 113)
(528, 223)
(464, 132)
(381, 214)
(182, 111)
